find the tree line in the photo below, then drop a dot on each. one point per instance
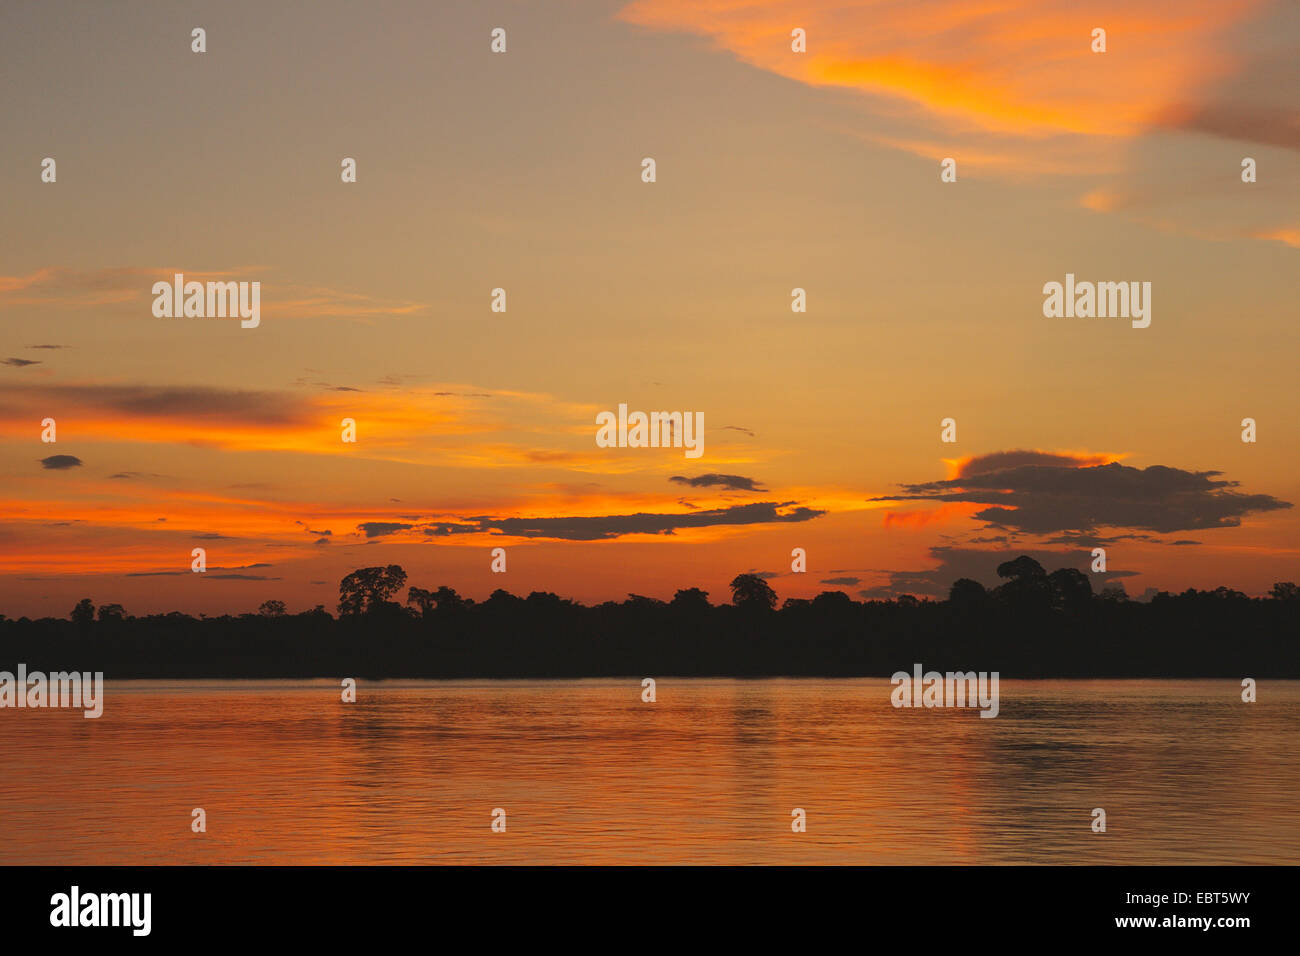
(1033, 624)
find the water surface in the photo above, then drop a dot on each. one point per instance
(709, 773)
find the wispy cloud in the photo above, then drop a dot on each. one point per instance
(1016, 66)
(61, 287)
(394, 423)
(602, 527)
(1012, 88)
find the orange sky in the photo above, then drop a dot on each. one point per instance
(776, 170)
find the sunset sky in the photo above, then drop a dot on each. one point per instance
(522, 171)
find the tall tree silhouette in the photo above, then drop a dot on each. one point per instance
(1071, 589)
(448, 601)
(690, 600)
(111, 612)
(84, 613)
(1114, 593)
(968, 594)
(1023, 567)
(369, 589)
(1027, 587)
(751, 592)
(422, 599)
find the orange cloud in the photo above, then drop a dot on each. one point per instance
(919, 519)
(18, 283)
(1289, 236)
(398, 424)
(1017, 66)
(148, 528)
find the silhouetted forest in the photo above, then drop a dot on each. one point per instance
(1034, 624)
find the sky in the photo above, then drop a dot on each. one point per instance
(774, 170)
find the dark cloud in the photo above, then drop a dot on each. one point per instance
(1046, 499)
(1256, 103)
(377, 529)
(1002, 460)
(1270, 126)
(49, 346)
(737, 428)
(59, 462)
(612, 526)
(132, 475)
(328, 386)
(731, 482)
(844, 582)
(1083, 540)
(230, 575)
(188, 403)
(303, 382)
(981, 565)
(19, 362)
